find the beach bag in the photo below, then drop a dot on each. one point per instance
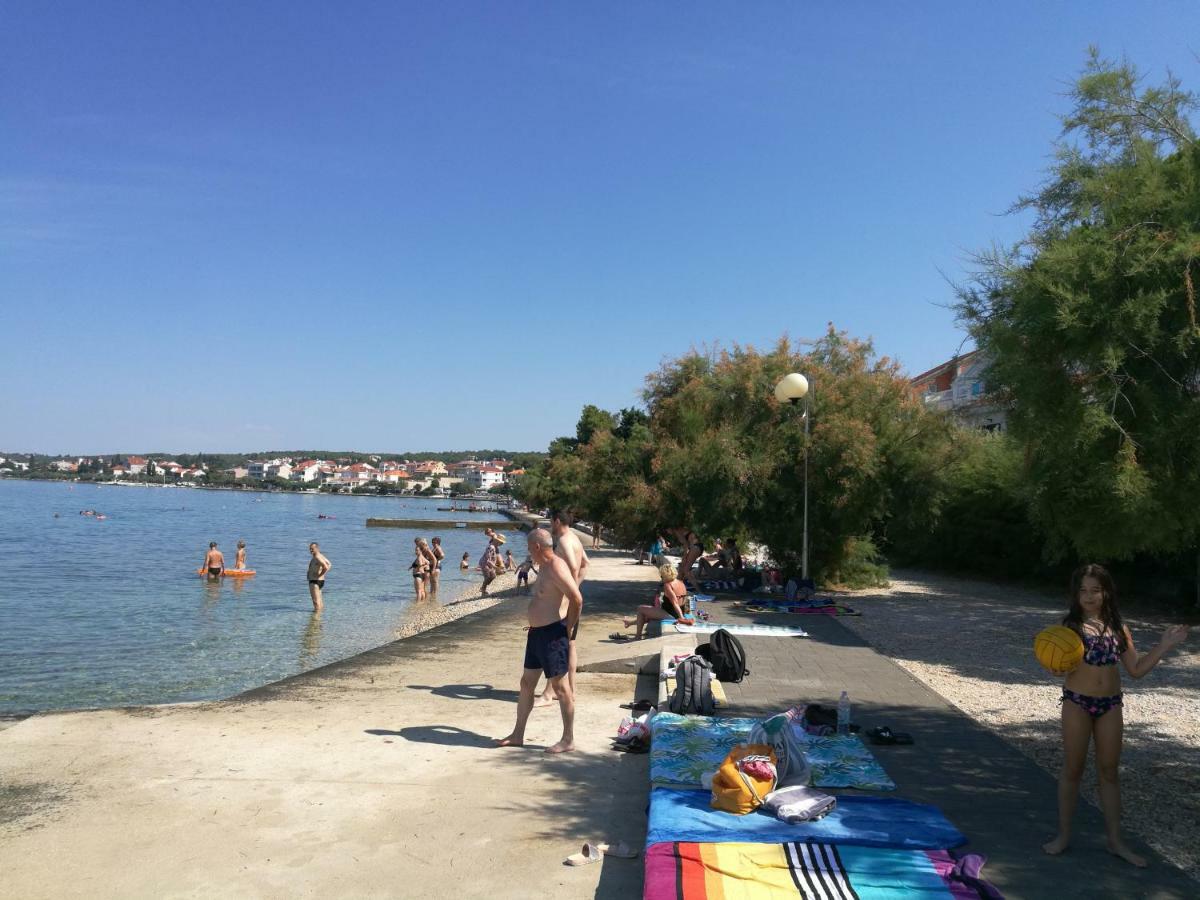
(693, 688)
(744, 779)
(778, 733)
(727, 656)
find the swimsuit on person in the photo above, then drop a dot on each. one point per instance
(1098, 650)
(547, 648)
(214, 571)
(1101, 649)
(1093, 706)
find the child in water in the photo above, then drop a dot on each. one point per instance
(465, 562)
(239, 561)
(1091, 702)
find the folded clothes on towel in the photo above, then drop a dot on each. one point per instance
(799, 804)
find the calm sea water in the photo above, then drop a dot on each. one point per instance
(109, 613)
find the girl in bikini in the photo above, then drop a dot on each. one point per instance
(1091, 702)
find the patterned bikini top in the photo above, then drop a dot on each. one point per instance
(1101, 649)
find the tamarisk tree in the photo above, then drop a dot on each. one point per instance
(1091, 323)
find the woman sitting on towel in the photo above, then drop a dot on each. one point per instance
(668, 604)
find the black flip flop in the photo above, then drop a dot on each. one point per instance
(640, 706)
(637, 745)
(884, 735)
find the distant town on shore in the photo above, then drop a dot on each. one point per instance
(429, 474)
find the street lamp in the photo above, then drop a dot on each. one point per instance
(792, 389)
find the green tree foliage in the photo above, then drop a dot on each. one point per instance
(717, 453)
(730, 459)
(978, 520)
(1091, 323)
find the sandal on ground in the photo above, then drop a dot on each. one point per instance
(639, 706)
(884, 735)
(591, 853)
(619, 637)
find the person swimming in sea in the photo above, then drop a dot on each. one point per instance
(239, 561)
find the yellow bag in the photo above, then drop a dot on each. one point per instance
(736, 790)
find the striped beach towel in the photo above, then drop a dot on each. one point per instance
(685, 871)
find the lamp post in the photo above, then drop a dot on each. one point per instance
(792, 389)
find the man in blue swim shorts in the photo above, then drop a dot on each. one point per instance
(554, 609)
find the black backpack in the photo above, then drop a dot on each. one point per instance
(693, 688)
(727, 656)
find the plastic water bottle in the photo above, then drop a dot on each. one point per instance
(844, 713)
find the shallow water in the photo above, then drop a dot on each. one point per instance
(111, 613)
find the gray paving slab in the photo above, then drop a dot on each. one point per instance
(1000, 799)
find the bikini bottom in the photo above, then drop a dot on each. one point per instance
(1093, 706)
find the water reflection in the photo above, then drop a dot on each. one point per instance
(212, 592)
(310, 641)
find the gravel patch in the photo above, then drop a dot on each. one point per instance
(972, 642)
(426, 616)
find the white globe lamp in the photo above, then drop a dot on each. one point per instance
(791, 388)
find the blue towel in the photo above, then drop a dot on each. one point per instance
(862, 821)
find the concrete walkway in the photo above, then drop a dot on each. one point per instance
(1001, 800)
(372, 777)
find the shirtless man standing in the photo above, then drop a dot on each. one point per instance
(553, 614)
(570, 550)
(214, 562)
(318, 567)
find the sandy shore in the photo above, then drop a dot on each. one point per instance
(375, 776)
(971, 641)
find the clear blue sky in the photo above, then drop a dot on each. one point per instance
(437, 226)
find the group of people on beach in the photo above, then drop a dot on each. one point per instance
(426, 567)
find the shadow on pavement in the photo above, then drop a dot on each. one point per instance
(468, 691)
(448, 735)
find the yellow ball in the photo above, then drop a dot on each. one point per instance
(1058, 649)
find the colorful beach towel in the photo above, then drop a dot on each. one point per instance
(742, 628)
(858, 821)
(684, 748)
(690, 871)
